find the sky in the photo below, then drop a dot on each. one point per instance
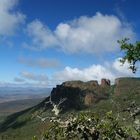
(47, 42)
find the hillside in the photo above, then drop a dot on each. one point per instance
(10, 107)
(129, 85)
(92, 96)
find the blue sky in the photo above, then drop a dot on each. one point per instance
(46, 42)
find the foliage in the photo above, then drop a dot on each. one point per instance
(24, 125)
(132, 53)
(89, 126)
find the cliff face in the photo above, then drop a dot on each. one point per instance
(81, 94)
(105, 82)
(127, 85)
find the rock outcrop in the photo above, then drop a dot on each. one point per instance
(83, 94)
(105, 82)
(80, 94)
(127, 85)
(89, 99)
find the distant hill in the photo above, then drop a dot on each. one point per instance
(10, 107)
(92, 96)
(20, 93)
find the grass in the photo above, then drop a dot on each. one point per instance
(22, 125)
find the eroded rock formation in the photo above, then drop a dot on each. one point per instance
(80, 94)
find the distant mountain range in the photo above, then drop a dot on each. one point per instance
(80, 96)
(10, 107)
(19, 93)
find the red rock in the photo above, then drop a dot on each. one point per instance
(105, 82)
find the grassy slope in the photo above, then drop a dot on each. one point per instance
(8, 108)
(23, 126)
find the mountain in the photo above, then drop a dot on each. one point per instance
(79, 95)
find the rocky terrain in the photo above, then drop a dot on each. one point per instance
(79, 96)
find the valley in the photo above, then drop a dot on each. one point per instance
(81, 97)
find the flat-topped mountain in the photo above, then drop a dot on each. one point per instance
(79, 95)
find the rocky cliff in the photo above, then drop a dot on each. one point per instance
(81, 94)
(127, 85)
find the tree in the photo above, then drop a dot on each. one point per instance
(131, 53)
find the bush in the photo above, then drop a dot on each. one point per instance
(89, 126)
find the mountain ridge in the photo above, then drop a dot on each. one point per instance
(80, 96)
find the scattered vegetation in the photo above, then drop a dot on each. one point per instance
(39, 120)
(88, 125)
(117, 117)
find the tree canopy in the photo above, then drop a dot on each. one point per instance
(131, 53)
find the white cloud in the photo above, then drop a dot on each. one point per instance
(42, 36)
(122, 69)
(94, 34)
(41, 62)
(94, 72)
(109, 70)
(9, 18)
(34, 77)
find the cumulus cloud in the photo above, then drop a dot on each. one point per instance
(110, 71)
(94, 34)
(42, 37)
(122, 69)
(95, 72)
(39, 62)
(34, 77)
(9, 18)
